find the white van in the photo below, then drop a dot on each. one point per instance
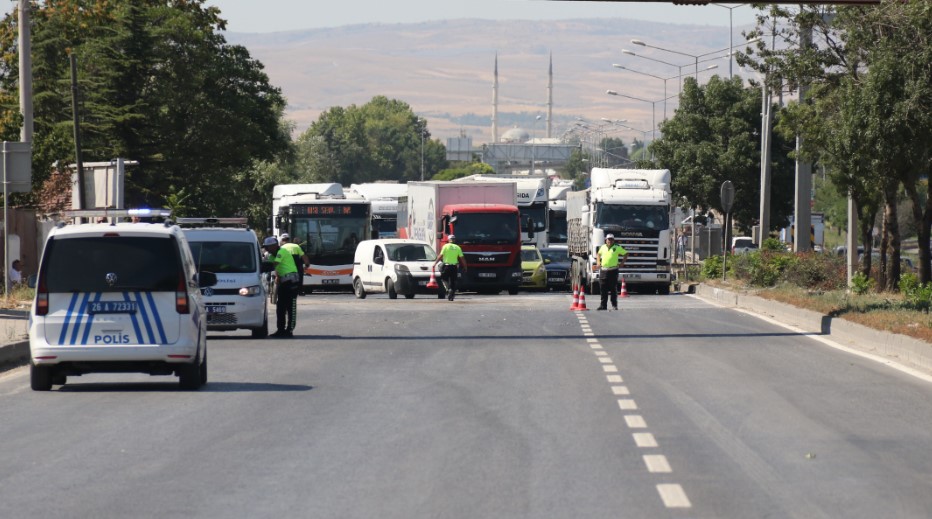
(393, 266)
(239, 299)
(121, 297)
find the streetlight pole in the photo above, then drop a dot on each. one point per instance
(694, 56)
(664, 79)
(731, 32)
(533, 131)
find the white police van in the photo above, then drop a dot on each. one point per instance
(118, 297)
(229, 249)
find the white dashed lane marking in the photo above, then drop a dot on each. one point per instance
(673, 495)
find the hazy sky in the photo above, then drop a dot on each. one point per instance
(288, 15)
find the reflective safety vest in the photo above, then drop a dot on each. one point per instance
(608, 256)
(284, 263)
(450, 254)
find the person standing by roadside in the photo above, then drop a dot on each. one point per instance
(287, 281)
(16, 272)
(452, 257)
(300, 258)
(609, 255)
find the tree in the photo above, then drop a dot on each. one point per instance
(713, 137)
(381, 140)
(159, 84)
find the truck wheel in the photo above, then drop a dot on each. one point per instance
(409, 296)
(390, 288)
(512, 291)
(358, 289)
(40, 377)
(664, 289)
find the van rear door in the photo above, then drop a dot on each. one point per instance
(113, 290)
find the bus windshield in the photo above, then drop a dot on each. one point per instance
(329, 240)
(486, 228)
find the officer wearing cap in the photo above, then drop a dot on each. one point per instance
(286, 309)
(452, 256)
(611, 257)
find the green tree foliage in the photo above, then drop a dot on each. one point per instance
(715, 136)
(159, 84)
(381, 140)
(868, 117)
(472, 168)
(614, 153)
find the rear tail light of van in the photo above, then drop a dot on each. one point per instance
(42, 297)
(182, 305)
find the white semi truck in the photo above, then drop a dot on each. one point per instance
(383, 196)
(556, 214)
(633, 205)
(532, 198)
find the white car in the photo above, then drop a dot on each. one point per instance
(742, 244)
(239, 299)
(393, 266)
(122, 297)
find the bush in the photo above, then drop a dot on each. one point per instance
(861, 284)
(918, 296)
(773, 245)
(712, 267)
(817, 271)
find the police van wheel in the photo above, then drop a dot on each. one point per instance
(40, 377)
(262, 331)
(189, 375)
(358, 289)
(203, 370)
(409, 296)
(390, 288)
(512, 291)
(59, 379)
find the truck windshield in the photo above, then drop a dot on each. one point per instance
(538, 213)
(632, 217)
(487, 228)
(557, 231)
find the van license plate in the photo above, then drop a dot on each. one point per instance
(216, 309)
(111, 307)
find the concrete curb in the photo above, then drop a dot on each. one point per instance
(902, 348)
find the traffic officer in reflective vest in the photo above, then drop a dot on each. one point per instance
(609, 255)
(452, 255)
(286, 309)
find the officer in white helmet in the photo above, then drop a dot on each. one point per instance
(452, 257)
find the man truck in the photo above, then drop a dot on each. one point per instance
(634, 206)
(485, 220)
(532, 201)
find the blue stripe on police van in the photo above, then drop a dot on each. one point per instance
(157, 317)
(132, 317)
(64, 326)
(90, 321)
(77, 320)
(145, 316)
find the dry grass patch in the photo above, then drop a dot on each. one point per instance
(887, 311)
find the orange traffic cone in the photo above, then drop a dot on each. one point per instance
(624, 289)
(575, 305)
(432, 283)
(582, 299)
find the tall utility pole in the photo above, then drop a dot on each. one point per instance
(764, 164)
(77, 130)
(25, 72)
(802, 215)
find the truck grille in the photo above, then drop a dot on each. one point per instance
(642, 254)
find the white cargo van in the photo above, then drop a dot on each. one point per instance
(393, 266)
(120, 297)
(239, 299)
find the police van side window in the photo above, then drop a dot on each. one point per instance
(113, 264)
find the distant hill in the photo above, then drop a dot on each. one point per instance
(444, 70)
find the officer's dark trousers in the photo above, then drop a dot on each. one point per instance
(287, 307)
(608, 285)
(448, 278)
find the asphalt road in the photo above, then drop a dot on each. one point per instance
(485, 407)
